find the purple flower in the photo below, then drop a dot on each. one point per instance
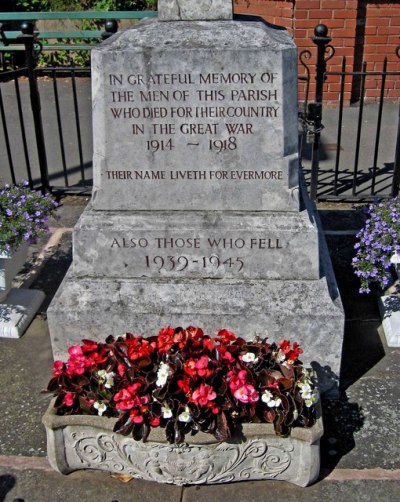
(377, 241)
(23, 215)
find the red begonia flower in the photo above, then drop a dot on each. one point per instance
(58, 368)
(246, 394)
(203, 394)
(69, 399)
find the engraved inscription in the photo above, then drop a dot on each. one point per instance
(195, 175)
(212, 255)
(206, 112)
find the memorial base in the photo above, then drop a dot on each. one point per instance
(301, 311)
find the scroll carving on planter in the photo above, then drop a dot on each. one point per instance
(184, 463)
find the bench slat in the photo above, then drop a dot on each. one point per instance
(35, 16)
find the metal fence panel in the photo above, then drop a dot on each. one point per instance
(46, 130)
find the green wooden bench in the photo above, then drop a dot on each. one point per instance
(11, 40)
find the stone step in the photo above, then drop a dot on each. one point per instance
(231, 245)
(301, 311)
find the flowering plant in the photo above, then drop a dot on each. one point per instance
(24, 215)
(185, 381)
(378, 242)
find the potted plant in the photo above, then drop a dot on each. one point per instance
(185, 408)
(377, 242)
(377, 256)
(24, 217)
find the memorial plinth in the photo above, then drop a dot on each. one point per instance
(196, 116)
(196, 216)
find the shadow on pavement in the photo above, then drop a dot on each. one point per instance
(341, 420)
(7, 483)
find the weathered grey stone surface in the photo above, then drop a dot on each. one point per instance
(85, 442)
(213, 244)
(195, 116)
(300, 310)
(192, 10)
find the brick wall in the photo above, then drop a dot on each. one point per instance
(360, 30)
(274, 11)
(381, 37)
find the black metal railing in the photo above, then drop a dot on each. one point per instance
(353, 182)
(71, 167)
(28, 134)
(33, 117)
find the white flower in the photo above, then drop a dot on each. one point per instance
(268, 398)
(309, 394)
(185, 416)
(249, 357)
(106, 378)
(305, 390)
(100, 407)
(280, 357)
(166, 411)
(395, 259)
(162, 374)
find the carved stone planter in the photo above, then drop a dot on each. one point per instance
(10, 263)
(88, 442)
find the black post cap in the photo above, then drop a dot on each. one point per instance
(321, 30)
(27, 27)
(111, 26)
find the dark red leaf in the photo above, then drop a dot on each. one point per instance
(84, 405)
(139, 431)
(285, 383)
(124, 425)
(59, 401)
(53, 384)
(143, 362)
(222, 431)
(170, 431)
(81, 380)
(287, 371)
(269, 416)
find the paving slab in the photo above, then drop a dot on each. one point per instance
(88, 486)
(261, 491)
(378, 395)
(25, 368)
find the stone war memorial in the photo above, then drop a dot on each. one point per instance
(198, 215)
